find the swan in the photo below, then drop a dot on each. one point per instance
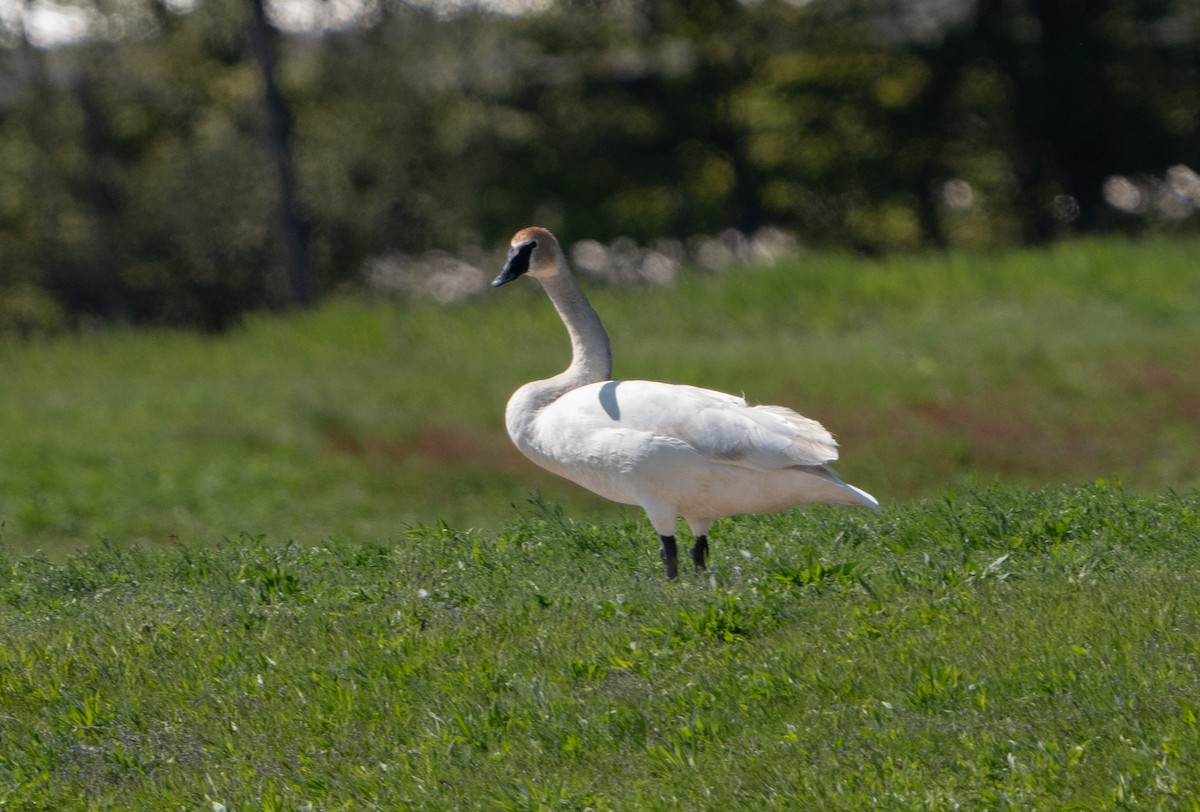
(673, 450)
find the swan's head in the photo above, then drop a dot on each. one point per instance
(535, 252)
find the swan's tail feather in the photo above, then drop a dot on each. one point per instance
(838, 491)
(867, 499)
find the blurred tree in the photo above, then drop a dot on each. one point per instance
(101, 278)
(833, 128)
(184, 162)
(1082, 89)
(30, 189)
(61, 187)
(201, 247)
(294, 226)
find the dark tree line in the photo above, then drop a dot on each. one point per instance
(183, 164)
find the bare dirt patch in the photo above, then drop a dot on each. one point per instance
(447, 444)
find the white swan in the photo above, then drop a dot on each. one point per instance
(673, 450)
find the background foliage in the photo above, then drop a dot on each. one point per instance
(140, 177)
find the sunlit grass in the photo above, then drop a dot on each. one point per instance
(362, 418)
(985, 649)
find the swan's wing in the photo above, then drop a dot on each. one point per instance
(717, 425)
(759, 436)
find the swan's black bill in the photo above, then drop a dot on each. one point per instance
(518, 263)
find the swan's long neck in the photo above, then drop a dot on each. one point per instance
(591, 356)
(591, 359)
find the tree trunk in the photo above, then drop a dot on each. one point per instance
(100, 190)
(295, 227)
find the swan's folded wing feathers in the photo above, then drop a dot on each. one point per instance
(725, 428)
(807, 433)
(760, 437)
(701, 395)
(720, 426)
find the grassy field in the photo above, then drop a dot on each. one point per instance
(361, 419)
(299, 566)
(994, 649)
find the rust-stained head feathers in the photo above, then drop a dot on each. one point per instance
(534, 251)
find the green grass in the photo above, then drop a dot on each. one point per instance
(361, 419)
(297, 566)
(991, 649)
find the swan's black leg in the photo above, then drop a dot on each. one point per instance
(670, 557)
(700, 553)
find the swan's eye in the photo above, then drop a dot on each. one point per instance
(519, 255)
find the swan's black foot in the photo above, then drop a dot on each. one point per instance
(700, 553)
(670, 557)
